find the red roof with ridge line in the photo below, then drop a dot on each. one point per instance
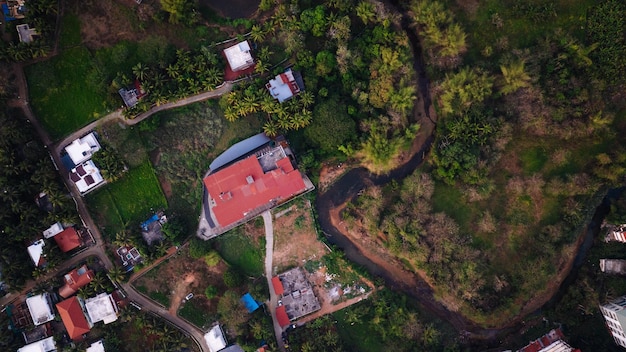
(68, 239)
(278, 285)
(281, 316)
(73, 318)
(243, 187)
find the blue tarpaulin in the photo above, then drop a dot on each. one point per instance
(249, 302)
(7, 14)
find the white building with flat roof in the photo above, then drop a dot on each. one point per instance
(40, 309)
(35, 251)
(101, 308)
(86, 176)
(45, 345)
(215, 339)
(238, 56)
(83, 148)
(615, 318)
(53, 230)
(97, 346)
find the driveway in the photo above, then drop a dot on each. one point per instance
(269, 254)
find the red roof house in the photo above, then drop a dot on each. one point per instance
(278, 285)
(244, 187)
(281, 316)
(74, 280)
(68, 239)
(73, 317)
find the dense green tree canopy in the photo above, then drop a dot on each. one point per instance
(331, 126)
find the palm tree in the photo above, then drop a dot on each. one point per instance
(140, 71)
(257, 33)
(513, 77)
(365, 11)
(270, 128)
(307, 98)
(116, 274)
(261, 66)
(264, 53)
(453, 42)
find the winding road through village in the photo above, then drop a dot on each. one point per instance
(98, 249)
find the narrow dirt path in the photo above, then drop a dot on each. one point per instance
(269, 255)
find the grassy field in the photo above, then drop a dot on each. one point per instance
(195, 313)
(239, 250)
(60, 94)
(129, 199)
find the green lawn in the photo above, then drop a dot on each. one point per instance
(238, 250)
(195, 314)
(61, 93)
(129, 199)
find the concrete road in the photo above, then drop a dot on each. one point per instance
(269, 255)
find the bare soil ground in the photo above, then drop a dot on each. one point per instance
(182, 275)
(295, 239)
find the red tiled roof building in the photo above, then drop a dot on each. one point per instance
(74, 280)
(244, 188)
(281, 316)
(68, 239)
(71, 312)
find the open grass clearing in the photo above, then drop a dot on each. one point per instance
(243, 248)
(62, 95)
(128, 200)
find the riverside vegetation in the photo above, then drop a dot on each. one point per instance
(527, 143)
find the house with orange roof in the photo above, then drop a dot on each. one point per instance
(74, 280)
(67, 239)
(72, 312)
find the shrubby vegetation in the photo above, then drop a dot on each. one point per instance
(40, 15)
(526, 144)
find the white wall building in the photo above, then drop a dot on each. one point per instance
(35, 251)
(45, 345)
(83, 148)
(53, 230)
(39, 308)
(101, 308)
(86, 176)
(97, 346)
(238, 56)
(615, 318)
(215, 339)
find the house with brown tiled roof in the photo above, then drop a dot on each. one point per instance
(74, 280)
(67, 239)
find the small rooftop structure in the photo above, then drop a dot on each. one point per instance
(233, 348)
(215, 339)
(83, 148)
(97, 346)
(45, 345)
(613, 266)
(151, 228)
(249, 302)
(129, 256)
(39, 307)
(616, 233)
(72, 313)
(53, 230)
(278, 286)
(35, 251)
(284, 86)
(86, 176)
(68, 239)
(238, 56)
(550, 342)
(26, 33)
(131, 95)
(74, 280)
(101, 308)
(298, 297)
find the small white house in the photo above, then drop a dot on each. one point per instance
(53, 230)
(26, 33)
(35, 251)
(101, 308)
(215, 339)
(97, 346)
(39, 308)
(83, 148)
(238, 56)
(86, 176)
(45, 345)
